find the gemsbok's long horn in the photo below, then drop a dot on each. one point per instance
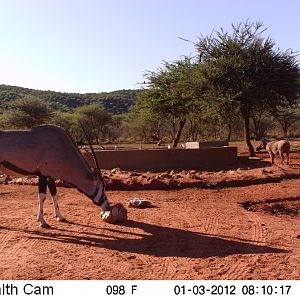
(92, 149)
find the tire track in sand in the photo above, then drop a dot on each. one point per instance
(240, 268)
(238, 265)
(189, 220)
(17, 250)
(12, 245)
(168, 267)
(4, 240)
(176, 241)
(195, 224)
(143, 260)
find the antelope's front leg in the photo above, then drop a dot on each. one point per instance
(40, 215)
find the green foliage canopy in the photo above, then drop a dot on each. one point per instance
(173, 92)
(95, 120)
(116, 102)
(246, 68)
(28, 112)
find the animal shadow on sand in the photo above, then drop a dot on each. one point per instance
(154, 240)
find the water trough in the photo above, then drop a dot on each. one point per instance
(165, 159)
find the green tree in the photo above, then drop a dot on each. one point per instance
(246, 68)
(68, 121)
(95, 121)
(172, 93)
(143, 122)
(261, 121)
(27, 112)
(286, 118)
(115, 129)
(2, 121)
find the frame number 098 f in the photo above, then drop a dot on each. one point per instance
(119, 289)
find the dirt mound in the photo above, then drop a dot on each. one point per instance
(285, 206)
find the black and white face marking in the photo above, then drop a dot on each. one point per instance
(100, 198)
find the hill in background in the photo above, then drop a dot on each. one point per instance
(116, 102)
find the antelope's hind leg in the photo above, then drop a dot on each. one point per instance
(42, 197)
(53, 192)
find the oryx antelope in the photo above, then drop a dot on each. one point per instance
(282, 147)
(50, 153)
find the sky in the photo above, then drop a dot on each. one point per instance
(91, 46)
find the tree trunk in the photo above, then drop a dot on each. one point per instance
(247, 135)
(229, 132)
(178, 133)
(256, 129)
(193, 130)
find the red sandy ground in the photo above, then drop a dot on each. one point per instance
(248, 232)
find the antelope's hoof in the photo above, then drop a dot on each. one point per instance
(61, 219)
(44, 225)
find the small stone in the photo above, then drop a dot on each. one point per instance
(176, 176)
(131, 257)
(19, 181)
(134, 174)
(165, 175)
(192, 172)
(264, 171)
